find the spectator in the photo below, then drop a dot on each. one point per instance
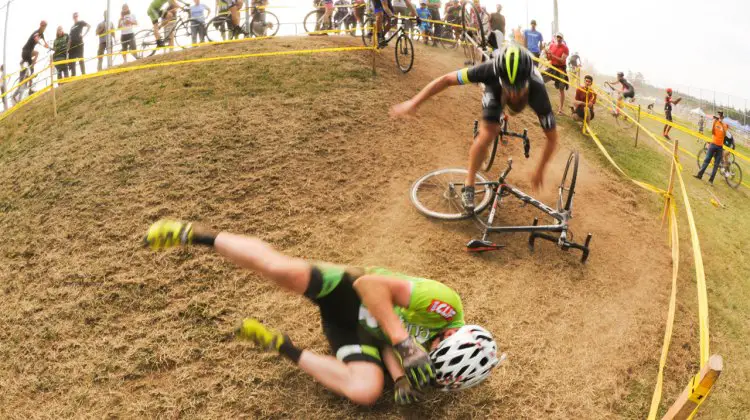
(533, 40)
(127, 37)
(198, 13)
(668, 102)
(701, 123)
(434, 6)
(61, 47)
(518, 35)
(104, 33)
(574, 62)
(715, 148)
(557, 53)
(585, 98)
(497, 20)
(424, 13)
(29, 56)
(76, 43)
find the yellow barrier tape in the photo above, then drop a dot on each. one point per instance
(700, 275)
(209, 59)
(21, 104)
(675, 243)
(21, 83)
(641, 184)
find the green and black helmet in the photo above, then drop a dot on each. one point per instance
(514, 65)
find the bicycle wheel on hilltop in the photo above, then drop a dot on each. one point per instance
(146, 43)
(267, 25)
(471, 23)
(701, 156)
(404, 53)
(312, 22)
(438, 194)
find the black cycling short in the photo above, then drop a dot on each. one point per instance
(668, 114)
(581, 112)
(339, 312)
(26, 56)
(630, 93)
(561, 73)
(377, 5)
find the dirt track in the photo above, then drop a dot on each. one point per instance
(299, 151)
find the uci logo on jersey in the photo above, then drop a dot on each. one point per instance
(443, 309)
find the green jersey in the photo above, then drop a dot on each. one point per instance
(432, 308)
(157, 4)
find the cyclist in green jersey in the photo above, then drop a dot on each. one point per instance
(155, 12)
(372, 318)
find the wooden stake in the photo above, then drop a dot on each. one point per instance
(637, 126)
(52, 84)
(697, 390)
(670, 188)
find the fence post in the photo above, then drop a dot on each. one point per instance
(52, 87)
(697, 390)
(374, 44)
(670, 188)
(637, 126)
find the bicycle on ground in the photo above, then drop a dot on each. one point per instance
(404, 48)
(438, 195)
(729, 169)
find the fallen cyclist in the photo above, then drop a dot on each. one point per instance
(372, 318)
(509, 78)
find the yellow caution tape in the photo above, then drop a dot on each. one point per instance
(674, 240)
(209, 59)
(21, 104)
(21, 83)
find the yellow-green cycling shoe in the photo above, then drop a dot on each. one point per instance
(168, 233)
(252, 330)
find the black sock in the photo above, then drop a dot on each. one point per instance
(204, 239)
(289, 350)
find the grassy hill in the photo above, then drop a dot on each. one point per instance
(299, 151)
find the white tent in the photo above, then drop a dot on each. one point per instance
(697, 111)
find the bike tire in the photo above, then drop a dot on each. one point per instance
(733, 175)
(471, 23)
(310, 23)
(568, 184)
(433, 195)
(218, 29)
(470, 53)
(404, 52)
(185, 33)
(701, 157)
(367, 32)
(146, 43)
(259, 28)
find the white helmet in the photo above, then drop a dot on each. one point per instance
(465, 358)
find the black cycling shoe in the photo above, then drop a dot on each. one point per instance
(467, 199)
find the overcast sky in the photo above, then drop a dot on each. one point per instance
(684, 44)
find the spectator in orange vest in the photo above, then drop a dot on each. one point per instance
(715, 148)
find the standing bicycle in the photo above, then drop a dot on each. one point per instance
(404, 50)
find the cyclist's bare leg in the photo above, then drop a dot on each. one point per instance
(235, 11)
(157, 31)
(361, 382)
(487, 133)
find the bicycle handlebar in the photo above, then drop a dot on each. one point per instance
(524, 137)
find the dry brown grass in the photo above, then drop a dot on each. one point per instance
(299, 151)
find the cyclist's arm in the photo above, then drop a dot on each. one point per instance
(391, 362)
(380, 294)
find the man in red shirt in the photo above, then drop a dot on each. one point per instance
(585, 97)
(668, 102)
(558, 53)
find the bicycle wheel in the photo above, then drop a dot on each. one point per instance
(267, 25)
(219, 29)
(312, 22)
(368, 32)
(701, 156)
(189, 33)
(733, 175)
(438, 194)
(404, 53)
(471, 22)
(146, 43)
(568, 184)
(470, 53)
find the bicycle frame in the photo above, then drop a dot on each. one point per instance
(499, 189)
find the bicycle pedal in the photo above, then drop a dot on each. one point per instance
(476, 245)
